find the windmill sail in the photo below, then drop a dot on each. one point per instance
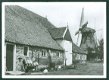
(81, 23)
(82, 18)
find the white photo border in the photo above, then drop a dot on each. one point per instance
(46, 76)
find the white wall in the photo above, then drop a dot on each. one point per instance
(67, 46)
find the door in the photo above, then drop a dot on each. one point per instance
(9, 57)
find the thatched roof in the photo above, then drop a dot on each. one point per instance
(60, 33)
(77, 49)
(30, 16)
(57, 33)
(25, 27)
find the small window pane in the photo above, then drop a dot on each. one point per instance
(25, 51)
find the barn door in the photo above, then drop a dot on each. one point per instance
(9, 57)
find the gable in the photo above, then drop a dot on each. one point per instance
(67, 36)
(57, 33)
(60, 33)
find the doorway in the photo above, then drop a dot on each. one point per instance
(9, 57)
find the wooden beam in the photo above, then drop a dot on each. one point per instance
(14, 58)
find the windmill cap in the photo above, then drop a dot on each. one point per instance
(85, 24)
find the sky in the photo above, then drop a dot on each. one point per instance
(69, 13)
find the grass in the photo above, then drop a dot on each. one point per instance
(88, 69)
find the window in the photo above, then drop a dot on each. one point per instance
(43, 53)
(58, 54)
(25, 51)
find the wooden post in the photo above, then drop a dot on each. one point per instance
(49, 58)
(28, 51)
(38, 57)
(72, 58)
(5, 56)
(14, 58)
(65, 59)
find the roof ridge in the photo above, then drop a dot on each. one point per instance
(29, 10)
(36, 34)
(22, 8)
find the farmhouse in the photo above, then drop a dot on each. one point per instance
(72, 51)
(26, 35)
(63, 37)
(29, 34)
(79, 54)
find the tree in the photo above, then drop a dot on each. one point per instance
(101, 48)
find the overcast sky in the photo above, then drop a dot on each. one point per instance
(61, 14)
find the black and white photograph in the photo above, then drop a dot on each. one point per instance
(54, 39)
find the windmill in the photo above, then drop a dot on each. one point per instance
(87, 41)
(80, 26)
